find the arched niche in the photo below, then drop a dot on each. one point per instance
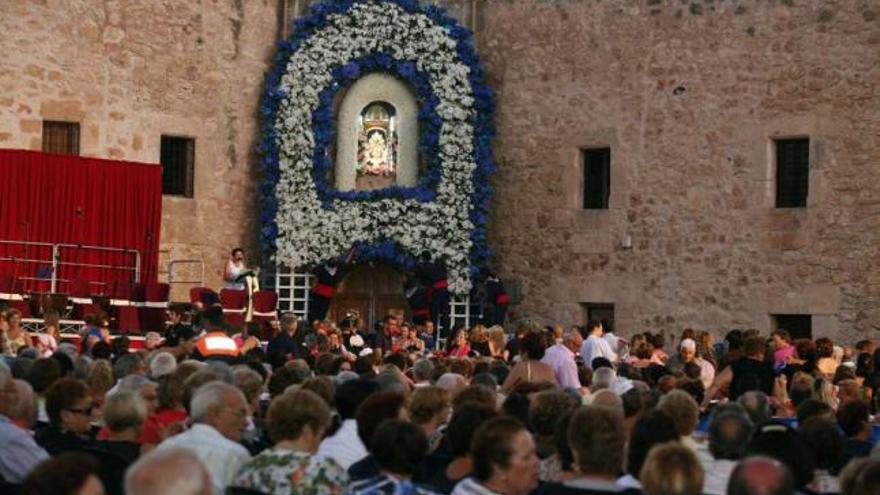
(368, 90)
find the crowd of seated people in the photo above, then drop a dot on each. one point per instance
(330, 408)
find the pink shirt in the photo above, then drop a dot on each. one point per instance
(561, 359)
(780, 356)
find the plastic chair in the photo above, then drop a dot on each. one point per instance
(234, 305)
(265, 306)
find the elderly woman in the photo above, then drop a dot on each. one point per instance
(297, 422)
(505, 460)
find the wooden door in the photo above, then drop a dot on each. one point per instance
(373, 290)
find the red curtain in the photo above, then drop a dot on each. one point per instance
(83, 203)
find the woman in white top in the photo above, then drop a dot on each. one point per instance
(234, 268)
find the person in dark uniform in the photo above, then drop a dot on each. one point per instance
(751, 372)
(327, 275)
(497, 301)
(433, 276)
(418, 301)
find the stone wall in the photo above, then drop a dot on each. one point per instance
(689, 95)
(129, 71)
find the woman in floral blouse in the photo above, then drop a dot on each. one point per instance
(296, 422)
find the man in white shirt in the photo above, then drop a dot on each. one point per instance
(560, 357)
(595, 346)
(220, 413)
(345, 446)
(19, 454)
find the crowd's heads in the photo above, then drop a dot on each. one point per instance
(782, 443)
(503, 453)
(533, 346)
(824, 442)
(597, 440)
(429, 404)
(757, 405)
(464, 423)
(43, 374)
(168, 470)
(69, 405)
(811, 408)
(603, 378)
(222, 406)
(652, 428)
(409, 446)
(760, 476)
(672, 469)
(351, 394)
(861, 477)
(299, 414)
(683, 410)
(65, 474)
(376, 408)
(124, 410)
(163, 363)
(729, 433)
(854, 418)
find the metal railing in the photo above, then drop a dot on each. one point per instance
(57, 257)
(175, 263)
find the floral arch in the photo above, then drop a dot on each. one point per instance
(305, 219)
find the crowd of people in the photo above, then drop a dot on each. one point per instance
(328, 408)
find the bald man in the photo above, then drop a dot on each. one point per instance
(760, 476)
(173, 470)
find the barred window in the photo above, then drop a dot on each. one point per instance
(178, 162)
(61, 137)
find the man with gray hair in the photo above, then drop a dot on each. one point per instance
(19, 453)
(757, 406)
(24, 411)
(560, 357)
(142, 386)
(421, 371)
(219, 412)
(163, 363)
(165, 471)
(729, 432)
(603, 378)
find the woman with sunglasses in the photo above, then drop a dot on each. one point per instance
(70, 411)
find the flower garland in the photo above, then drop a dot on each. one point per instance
(305, 220)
